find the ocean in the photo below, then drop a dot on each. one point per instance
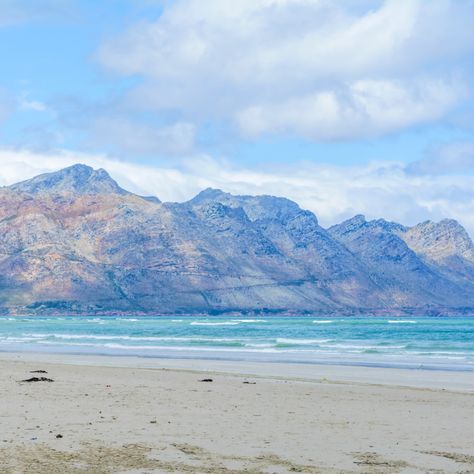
(416, 342)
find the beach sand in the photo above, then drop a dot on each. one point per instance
(111, 415)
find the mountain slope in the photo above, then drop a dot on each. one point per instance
(446, 245)
(317, 262)
(405, 277)
(75, 242)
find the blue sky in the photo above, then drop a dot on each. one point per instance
(346, 107)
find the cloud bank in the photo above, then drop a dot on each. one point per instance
(319, 70)
(449, 158)
(383, 189)
(313, 68)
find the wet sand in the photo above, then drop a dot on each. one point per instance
(111, 415)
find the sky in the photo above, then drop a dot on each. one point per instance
(349, 107)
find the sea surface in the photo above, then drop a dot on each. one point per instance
(416, 342)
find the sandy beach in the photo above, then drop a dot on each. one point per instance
(108, 415)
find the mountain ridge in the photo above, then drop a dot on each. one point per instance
(74, 242)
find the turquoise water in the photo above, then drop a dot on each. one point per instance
(430, 342)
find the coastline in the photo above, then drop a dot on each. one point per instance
(309, 372)
(129, 414)
(395, 312)
(441, 344)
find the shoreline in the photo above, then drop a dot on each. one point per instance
(452, 380)
(107, 415)
(395, 312)
(369, 342)
(157, 409)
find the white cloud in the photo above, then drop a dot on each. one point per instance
(334, 193)
(25, 103)
(280, 65)
(33, 105)
(123, 135)
(362, 109)
(450, 158)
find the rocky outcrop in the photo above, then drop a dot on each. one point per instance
(78, 180)
(447, 246)
(404, 274)
(74, 242)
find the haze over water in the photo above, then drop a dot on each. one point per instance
(414, 342)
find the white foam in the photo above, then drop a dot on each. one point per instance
(103, 337)
(362, 347)
(19, 339)
(302, 342)
(319, 321)
(401, 321)
(164, 348)
(250, 320)
(226, 323)
(257, 345)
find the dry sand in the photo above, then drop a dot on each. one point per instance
(139, 416)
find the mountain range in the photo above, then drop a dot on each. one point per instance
(75, 242)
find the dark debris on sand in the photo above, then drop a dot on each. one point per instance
(38, 379)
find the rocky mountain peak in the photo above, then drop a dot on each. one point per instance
(349, 226)
(359, 222)
(261, 207)
(272, 208)
(440, 240)
(208, 194)
(387, 226)
(76, 179)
